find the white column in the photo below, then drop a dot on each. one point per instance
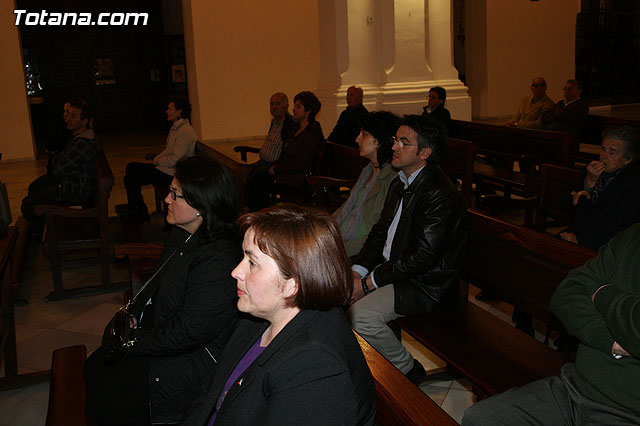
(395, 50)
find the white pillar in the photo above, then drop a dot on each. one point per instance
(395, 50)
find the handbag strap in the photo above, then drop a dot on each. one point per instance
(147, 283)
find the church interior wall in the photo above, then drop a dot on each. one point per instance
(511, 42)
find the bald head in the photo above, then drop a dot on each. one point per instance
(354, 96)
(538, 87)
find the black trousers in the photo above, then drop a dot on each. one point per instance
(117, 394)
(140, 174)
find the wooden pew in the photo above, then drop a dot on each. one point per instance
(521, 266)
(529, 148)
(457, 162)
(596, 124)
(73, 229)
(67, 392)
(548, 203)
(398, 401)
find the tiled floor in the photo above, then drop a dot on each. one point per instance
(43, 326)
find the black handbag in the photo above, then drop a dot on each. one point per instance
(119, 335)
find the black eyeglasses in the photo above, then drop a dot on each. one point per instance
(538, 85)
(174, 194)
(401, 142)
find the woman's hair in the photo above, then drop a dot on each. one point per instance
(629, 137)
(310, 103)
(383, 126)
(208, 187)
(307, 246)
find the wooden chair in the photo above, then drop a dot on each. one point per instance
(549, 203)
(73, 229)
(340, 168)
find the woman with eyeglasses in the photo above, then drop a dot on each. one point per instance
(188, 315)
(362, 209)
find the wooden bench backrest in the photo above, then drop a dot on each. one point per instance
(520, 265)
(556, 182)
(341, 162)
(549, 147)
(457, 163)
(596, 124)
(398, 401)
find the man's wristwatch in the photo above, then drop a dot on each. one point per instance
(365, 287)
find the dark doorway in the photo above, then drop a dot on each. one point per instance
(608, 50)
(123, 71)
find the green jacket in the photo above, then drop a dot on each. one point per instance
(614, 315)
(372, 206)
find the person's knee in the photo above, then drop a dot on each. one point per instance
(365, 321)
(476, 415)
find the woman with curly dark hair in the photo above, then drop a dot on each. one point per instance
(186, 317)
(362, 209)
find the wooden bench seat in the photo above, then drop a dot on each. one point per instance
(398, 401)
(516, 264)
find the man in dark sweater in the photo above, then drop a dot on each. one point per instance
(599, 303)
(570, 114)
(347, 128)
(71, 173)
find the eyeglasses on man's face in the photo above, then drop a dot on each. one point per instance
(174, 194)
(537, 85)
(402, 142)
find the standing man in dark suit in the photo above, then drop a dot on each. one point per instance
(347, 128)
(411, 260)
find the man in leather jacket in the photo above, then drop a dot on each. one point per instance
(411, 260)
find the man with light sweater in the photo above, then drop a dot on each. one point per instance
(599, 303)
(181, 143)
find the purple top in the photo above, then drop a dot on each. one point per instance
(252, 354)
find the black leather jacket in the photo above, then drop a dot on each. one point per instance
(428, 246)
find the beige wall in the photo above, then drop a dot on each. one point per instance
(509, 43)
(239, 54)
(16, 142)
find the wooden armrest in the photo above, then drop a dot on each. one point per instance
(242, 149)
(65, 211)
(138, 250)
(328, 182)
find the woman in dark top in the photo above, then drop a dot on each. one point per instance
(435, 108)
(294, 359)
(299, 156)
(186, 323)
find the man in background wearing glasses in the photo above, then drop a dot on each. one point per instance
(412, 257)
(532, 107)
